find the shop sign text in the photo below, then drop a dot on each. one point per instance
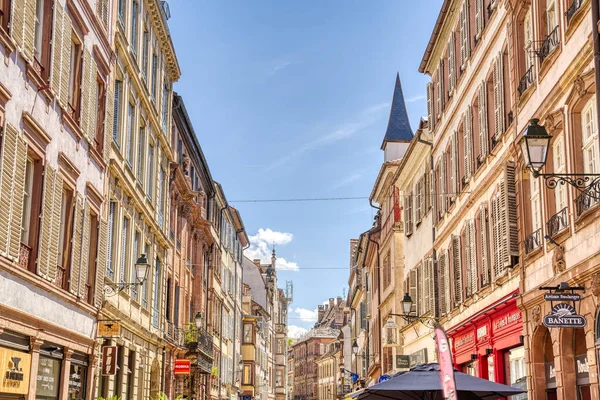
(507, 320)
(15, 371)
(563, 316)
(463, 340)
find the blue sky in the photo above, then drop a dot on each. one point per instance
(290, 99)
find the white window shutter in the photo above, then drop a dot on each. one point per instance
(83, 269)
(65, 60)
(484, 141)
(76, 242)
(451, 62)
(468, 143)
(101, 261)
(412, 289)
(465, 35)
(498, 97)
(23, 26)
(443, 195)
(457, 270)
(430, 115)
(438, 93)
(484, 242)
(479, 17)
(509, 216)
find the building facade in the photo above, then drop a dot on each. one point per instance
(53, 161)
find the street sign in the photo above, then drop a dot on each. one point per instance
(402, 361)
(562, 296)
(109, 360)
(109, 329)
(182, 367)
(563, 315)
(383, 378)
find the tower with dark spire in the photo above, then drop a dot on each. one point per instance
(398, 134)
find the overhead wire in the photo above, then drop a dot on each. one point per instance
(290, 200)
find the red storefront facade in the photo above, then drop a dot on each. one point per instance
(490, 345)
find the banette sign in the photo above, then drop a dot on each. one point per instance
(563, 315)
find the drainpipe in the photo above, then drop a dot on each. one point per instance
(378, 283)
(221, 350)
(164, 369)
(596, 39)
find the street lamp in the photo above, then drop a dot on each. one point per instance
(141, 270)
(534, 145)
(407, 304)
(198, 319)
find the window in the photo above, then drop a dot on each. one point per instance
(130, 127)
(387, 271)
(551, 16)
(144, 60)
(5, 15)
(124, 249)
(560, 192)
(154, 77)
(156, 293)
(66, 226)
(134, 12)
(110, 270)
(27, 199)
(101, 101)
(528, 35)
(39, 26)
(165, 107)
(590, 138)
(169, 315)
(140, 156)
(92, 256)
(75, 77)
(117, 110)
(150, 171)
(42, 33)
(121, 11)
(535, 203)
(120, 370)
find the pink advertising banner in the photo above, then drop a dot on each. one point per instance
(445, 361)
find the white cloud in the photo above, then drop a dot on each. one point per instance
(414, 99)
(281, 65)
(347, 180)
(295, 331)
(365, 118)
(260, 248)
(306, 315)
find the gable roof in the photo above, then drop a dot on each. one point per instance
(398, 129)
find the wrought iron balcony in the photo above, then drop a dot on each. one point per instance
(491, 7)
(558, 222)
(575, 5)
(533, 241)
(199, 339)
(548, 44)
(526, 80)
(584, 202)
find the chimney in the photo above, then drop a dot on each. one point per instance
(331, 302)
(339, 301)
(320, 313)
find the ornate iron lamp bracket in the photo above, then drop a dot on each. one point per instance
(588, 184)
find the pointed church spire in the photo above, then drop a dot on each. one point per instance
(398, 129)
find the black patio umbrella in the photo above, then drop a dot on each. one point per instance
(422, 382)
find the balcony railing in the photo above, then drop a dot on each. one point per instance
(24, 252)
(575, 5)
(199, 339)
(558, 222)
(533, 241)
(526, 80)
(59, 282)
(584, 202)
(548, 44)
(491, 7)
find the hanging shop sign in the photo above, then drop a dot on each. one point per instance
(15, 369)
(109, 329)
(182, 367)
(418, 357)
(402, 361)
(563, 315)
(562, 296)
(109, 360)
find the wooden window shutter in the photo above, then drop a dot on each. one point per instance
(102, 11)
(485, 254)
(479, 17)
(496, 239)
(117, 110)
(484, 141)
(412, 288)
(50, 224)
(470, 258)
(76, 241)
(498, 96)
(442, 89)
(465, 36)
(443, 283)
(65, 61)
(431, 285)
(509, 215)
(363, 315)
(421, 295)
(83, 270)
(468, 143)
(12, 190)
(451, 62)
(23, 26)
(418, 200)
(427, 189)
(457, 270)
(438, 94)
(430, 112)
(89, 96)
(108, 121)
(443, 185)
(101, 262)
(454, 184)
(57, 38)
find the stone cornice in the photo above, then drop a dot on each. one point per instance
(164, 38)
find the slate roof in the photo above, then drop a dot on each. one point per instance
(398, 128)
